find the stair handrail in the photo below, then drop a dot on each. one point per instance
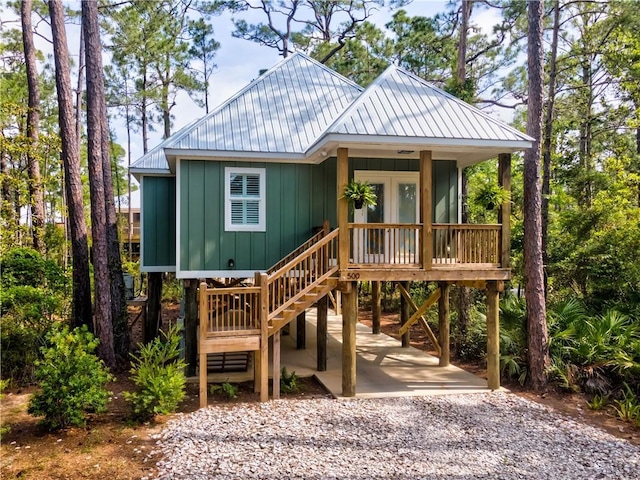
(323, 268)
(290, 256)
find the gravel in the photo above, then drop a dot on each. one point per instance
(493, 435)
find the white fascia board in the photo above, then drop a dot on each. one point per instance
(184, 274)
(139, 172)
(423, 143)
(219, 155)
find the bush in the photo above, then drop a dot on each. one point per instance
(288, 381)
(32, 297)
(72, 379)
(158, 372)
(225, 389)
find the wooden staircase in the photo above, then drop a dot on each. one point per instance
(243, 318)
(318, 290)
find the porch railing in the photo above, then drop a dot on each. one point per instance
(385, 244)
(466, 244)
(398, 245)
(229, 311)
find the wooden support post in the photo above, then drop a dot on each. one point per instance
(263, 377)
(443, 324)
(154, 306)
(426, 206)
(493, 336)
(256, 371)
(504, 213)
(343, 209)
(375, 307)
(338, 302)
(301, 331)
(190, 326)
(276, 365)
(204, 307)
(349, 319)
(322, 334)
(405, 315)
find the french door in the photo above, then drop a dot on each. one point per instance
(397, 204)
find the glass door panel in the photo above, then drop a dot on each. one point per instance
(406, 212)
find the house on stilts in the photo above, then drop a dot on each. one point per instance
(254, 190)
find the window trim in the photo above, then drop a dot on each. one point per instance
(261, 225)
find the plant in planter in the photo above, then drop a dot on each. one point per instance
(360, 194)
(491, 196)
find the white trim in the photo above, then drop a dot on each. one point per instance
(155, 269)
(141, 224)
(261, 226)
(178, 253)
(216, 273)
(236, 155)
(459, 170)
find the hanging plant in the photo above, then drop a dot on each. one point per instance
(360, 194)
(491, 196)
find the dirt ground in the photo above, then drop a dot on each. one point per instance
(110, 446)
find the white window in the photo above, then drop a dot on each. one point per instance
(244, 194)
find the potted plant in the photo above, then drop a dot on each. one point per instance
(359, 193)
(491, 196)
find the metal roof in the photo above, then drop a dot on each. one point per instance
(300, 110)
(400, 104)
(283, 111)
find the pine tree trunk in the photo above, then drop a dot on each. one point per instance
(102, 317)
(33, 121)
(548, 134)
(118, 297)
(81, 314)
(537, 336)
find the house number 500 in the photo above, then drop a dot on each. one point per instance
(353, 276)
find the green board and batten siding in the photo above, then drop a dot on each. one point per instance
(299, 198)
(291, 215)
(158, 223)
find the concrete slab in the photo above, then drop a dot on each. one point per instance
(384, 368)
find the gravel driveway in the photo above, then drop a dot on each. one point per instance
(493, 435)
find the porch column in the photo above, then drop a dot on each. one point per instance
(349, 319)
(493, 336)
(321, 334)
(444, 327)
(276, 365)
(426, 208)
(343, 209)
(375, 307)
(504, 213)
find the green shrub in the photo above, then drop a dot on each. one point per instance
(288, 381)
(4, 429)
(71, 378)
(226, 389)
(158, 372)
(32, 297)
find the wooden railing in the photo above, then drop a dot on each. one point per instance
(396, 245)
(385, 244)
(226, 312)
(295, 279)
(229, 311)
(300, 249)
(466, 244)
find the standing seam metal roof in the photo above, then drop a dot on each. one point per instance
(283, 111)
(297, 103)
(401, 104)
